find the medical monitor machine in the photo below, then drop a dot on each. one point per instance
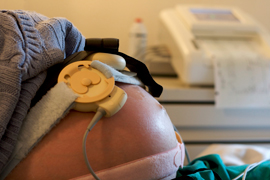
(195, 36)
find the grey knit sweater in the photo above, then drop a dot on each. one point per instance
(30, 43)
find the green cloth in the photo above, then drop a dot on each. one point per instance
(211, 167)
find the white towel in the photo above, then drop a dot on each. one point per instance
(238, 154)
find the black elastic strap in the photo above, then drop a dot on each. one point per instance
(143, 74)
(95, 45)
(135, 66)
(109, 45)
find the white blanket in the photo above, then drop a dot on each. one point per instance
(238, 154)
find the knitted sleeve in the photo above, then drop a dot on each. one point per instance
(30, 43)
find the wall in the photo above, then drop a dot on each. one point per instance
(113, 18)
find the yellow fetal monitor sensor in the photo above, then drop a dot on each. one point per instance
(96, 94)
(94, 89)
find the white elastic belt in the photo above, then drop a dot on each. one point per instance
(108, 71)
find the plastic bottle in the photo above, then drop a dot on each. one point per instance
(137, 40)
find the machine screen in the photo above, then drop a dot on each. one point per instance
(213, 15)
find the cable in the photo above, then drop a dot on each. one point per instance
(186, 151)
(187, 155)
(249, 168)
(99, 114)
